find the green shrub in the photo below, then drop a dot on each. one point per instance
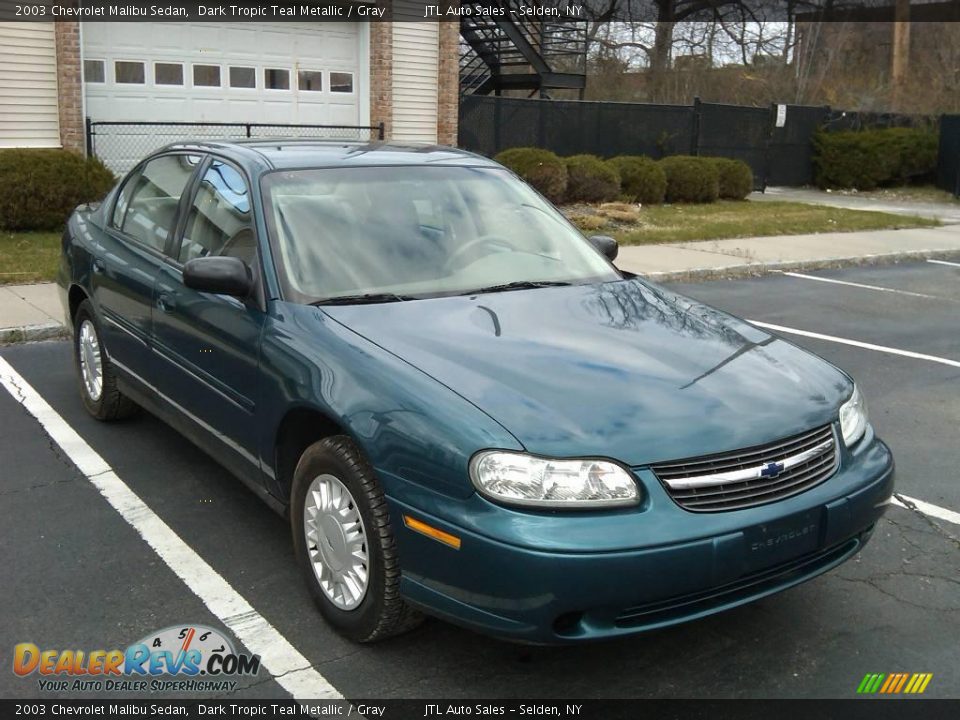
(39, 188)
(590, 179)
(641, 179)
(691, 179)
(867, 159)
(736, 178)
(541, 168)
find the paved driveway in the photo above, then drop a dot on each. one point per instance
(79, 576)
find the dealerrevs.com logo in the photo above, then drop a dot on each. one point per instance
(180, 658)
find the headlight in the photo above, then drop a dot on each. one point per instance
(519, 479)
(853, 418)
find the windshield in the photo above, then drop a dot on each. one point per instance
(392, 233)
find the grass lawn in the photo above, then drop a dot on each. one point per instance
(727, 219)
(28, 257)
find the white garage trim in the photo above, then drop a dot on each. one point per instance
(416, 56)
(29, 114)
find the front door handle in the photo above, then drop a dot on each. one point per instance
(98, 265)
(165, 303)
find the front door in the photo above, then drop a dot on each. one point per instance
(130, 253)
(207, 346)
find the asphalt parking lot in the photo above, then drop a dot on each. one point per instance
(78, 575)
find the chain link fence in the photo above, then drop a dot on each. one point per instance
(121, 145)
(948, 161)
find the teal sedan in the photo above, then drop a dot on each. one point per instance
(462, 407)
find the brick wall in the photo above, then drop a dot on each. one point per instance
(70, 86)
(448, 98)
(381, 72)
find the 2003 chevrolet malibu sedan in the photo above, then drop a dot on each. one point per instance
(462, 406)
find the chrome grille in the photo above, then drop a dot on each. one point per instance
(753, 476)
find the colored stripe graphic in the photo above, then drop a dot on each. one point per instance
(894, 683)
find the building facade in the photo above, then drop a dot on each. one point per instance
(54, 75)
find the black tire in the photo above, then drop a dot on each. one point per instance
(381, 613)
(111, 404)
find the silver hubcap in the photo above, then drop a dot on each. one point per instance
(91, 365)
(336, 542)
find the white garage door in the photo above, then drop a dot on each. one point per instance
(285, 73)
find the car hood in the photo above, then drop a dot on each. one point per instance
(625, 369)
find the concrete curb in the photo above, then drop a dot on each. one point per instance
(748, 270)
(33, 333)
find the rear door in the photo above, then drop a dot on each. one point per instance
(206, 345)
(131, 252)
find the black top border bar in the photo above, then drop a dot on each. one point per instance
(447, 11)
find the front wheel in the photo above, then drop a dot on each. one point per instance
(344, 543)
(95, 374)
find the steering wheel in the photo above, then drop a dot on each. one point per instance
(492, 241)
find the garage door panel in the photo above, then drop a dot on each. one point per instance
(288, 46)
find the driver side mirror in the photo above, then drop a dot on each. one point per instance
(605, 244)
(219, 275)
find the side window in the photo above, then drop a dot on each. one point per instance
(220, 221)
(152, 206)
(123, 200)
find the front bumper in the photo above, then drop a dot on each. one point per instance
(566, 577)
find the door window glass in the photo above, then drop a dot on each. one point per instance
(152, 210)
(220, 222)
(243, 77)
(168, 74)
(129, 73)
(206, 76)
(276, 79)
(341, 82)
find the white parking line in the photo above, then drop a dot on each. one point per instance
(290, 669)
(857, 343)
(927, 509)
(944, 262)
(861, 285)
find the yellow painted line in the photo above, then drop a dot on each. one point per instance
(432, 532)
(926, 681)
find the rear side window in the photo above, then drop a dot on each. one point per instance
(151, 210)
(220, 222)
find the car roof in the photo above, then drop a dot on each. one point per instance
(293, 153)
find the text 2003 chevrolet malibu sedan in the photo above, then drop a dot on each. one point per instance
(463, 407)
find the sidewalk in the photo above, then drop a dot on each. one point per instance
(32, 312)
(947, 212)
(748, 256)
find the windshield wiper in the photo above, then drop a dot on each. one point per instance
(521, 285)
(364, 299)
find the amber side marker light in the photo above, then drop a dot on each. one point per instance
(431, 532)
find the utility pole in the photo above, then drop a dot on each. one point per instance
(900, 65)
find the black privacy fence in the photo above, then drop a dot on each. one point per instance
(775, 141)
(121, 145)
(948, 159)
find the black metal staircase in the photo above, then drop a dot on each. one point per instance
(512, 51)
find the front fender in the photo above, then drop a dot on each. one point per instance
(411, 427)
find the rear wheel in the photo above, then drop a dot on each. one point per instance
(344, 543)
(95, 373)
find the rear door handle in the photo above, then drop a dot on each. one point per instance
(98, 266)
